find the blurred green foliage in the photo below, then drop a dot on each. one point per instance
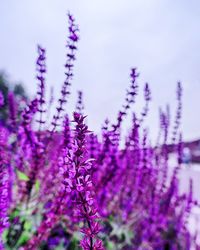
(5, 87)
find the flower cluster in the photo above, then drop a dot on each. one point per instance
(41, 68)
(72, 47)
(4, 182)
(75, 189)
(79, 181)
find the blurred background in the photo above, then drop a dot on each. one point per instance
(160, 38)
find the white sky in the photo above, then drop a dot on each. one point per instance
(160, 38)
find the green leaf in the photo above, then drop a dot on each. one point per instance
(111, 218)
(14, 214)
(23, 238)
(4, 235)
(110, 245)
(74, 244)
(37, 185)
(27, 225)
(22, 176)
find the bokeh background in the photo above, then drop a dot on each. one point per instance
(160, 38)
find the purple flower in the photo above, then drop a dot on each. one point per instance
(4, 183)
(41, 69)
(71, 46)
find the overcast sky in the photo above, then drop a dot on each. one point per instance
(159, 37)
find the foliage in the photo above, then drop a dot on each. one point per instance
(6, 89)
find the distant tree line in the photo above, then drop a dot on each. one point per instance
(6, 87)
